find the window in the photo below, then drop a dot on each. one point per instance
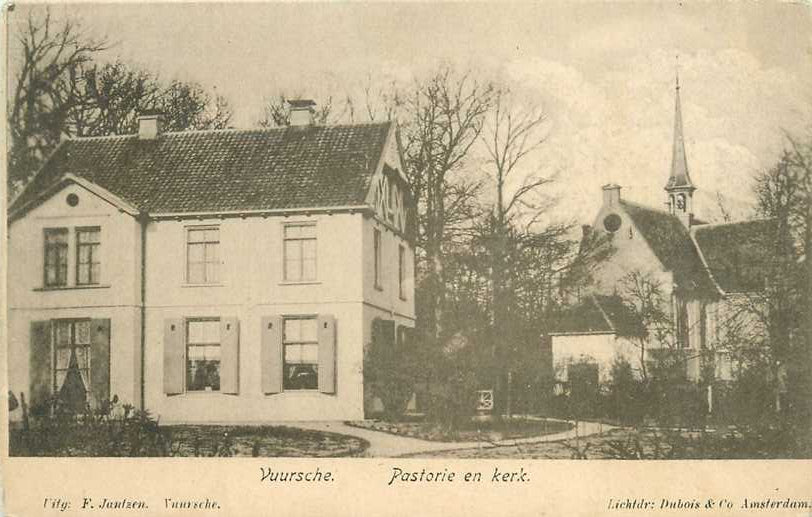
(71, 354)
(300, 252)
(87, 256)
(376, 243)
(393, 193)
(203, 355)
(301, 352)
(401, 271)
(683, 331)
(203, 255)
(56, 257)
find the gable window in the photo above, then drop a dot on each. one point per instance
(72, 357)
(299, 252)
(376, 244)
(203, 255)
(393, 193)
(87, 256)
(203, 354)
(56, 257)
(301, 353)
(401, 271)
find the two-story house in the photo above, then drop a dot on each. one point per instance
(212, 276)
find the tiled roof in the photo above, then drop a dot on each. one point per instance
(230, 170)
(737, 254)
(671, 242)
(599, 313)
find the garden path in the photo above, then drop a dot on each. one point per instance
(386, 445)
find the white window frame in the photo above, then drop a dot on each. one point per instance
(186, 344)
(285, 343)
(401, 271)
(285, 239)
(186, 232)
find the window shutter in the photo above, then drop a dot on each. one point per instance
(174, 356)
(40, 363)
(271, 354)
(327, 353)
(230, 356)
(100, 360)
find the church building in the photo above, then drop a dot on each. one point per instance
(702, 271)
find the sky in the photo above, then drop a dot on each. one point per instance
(604, 73)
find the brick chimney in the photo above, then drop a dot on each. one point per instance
(150, 125)
(301, 112)
(611, 194)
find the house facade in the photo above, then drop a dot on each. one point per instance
(213, 276)
(703, 272)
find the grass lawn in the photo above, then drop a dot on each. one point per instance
(184, 441)
(472, 431)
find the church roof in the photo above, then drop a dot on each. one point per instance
(737, 254)
(671, 242)
(229, 170)
(599, 314)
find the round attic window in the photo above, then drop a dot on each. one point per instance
(612, 223)
(72, 199)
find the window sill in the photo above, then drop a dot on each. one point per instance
(203, 285)
(402, 298)
(71, 287)
(300, 282)
(379, 288)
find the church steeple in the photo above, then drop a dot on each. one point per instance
(680, 188)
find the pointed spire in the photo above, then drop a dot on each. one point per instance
(679, 162)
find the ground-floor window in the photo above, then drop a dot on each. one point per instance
(301, 353)
(203, 354)
(71, 371)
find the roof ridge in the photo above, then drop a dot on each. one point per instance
(732, 223)
(234, 130)
(99, 137)
(646, 207)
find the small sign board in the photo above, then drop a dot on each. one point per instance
(484, 400)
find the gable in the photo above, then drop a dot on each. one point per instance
(671, 242)
(389, 190)
(73, 197)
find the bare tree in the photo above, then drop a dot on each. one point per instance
(445, 118)
(646, 301)
(45, 90)
(511, 134)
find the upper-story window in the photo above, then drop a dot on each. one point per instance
(203, 255)
(56, 257)
(401, 271)
(87, 256)
(299, 250)
(393, 194)
(376, 245)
